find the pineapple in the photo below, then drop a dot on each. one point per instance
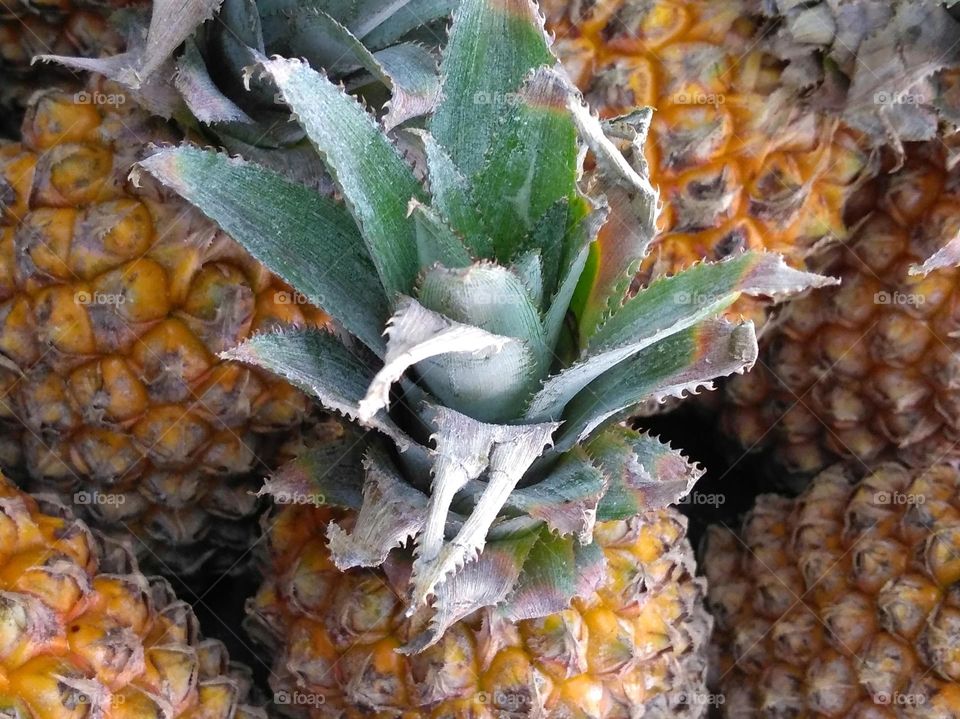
(866, 371)
(85, 634)
(117, 299)
(483, 511)
(843, 602)
(637, 641)
(742, 162)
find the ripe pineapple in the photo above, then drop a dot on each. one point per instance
(115, 303)
(741, 160)
(866, 371)
(843, 602)
(490, 488)
(85, 634)
(636, 641)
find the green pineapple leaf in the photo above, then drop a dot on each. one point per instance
(326, 472)
(556, 570)
(377, 184)
(408, 70)
(405, 19)
(451, 197)
(318, 363)
(308, 240)
(531, 163)
(566, 499)
(682, 363)
(492, 47)
(668, 306)
(436, 240)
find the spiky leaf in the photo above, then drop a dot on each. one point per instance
(308, 240)
(532, 162)
(319, 364)
(556, 570)
(484, 582)
(642, 473)
(392, 513)
(492, 47)
(681, 363)
(418, 335)
(436, 240)
(513, 450)
(566, 500)
(375, 181)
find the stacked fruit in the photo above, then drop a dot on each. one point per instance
(476, 534)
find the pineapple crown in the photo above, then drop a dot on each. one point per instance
(512, 340)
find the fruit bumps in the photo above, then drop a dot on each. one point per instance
(83, 633)
(116, 301)
(635, 644)
(843, 602)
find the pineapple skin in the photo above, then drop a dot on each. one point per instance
(114, 304)
(83, 633)
(867, 370)
(635, 646)
(740, 163)
(28, 29)
(844, 602)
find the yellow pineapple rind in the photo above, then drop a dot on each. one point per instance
(83, 633)
(636, 645)
(115, 302)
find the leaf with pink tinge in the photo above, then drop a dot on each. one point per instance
(642, 473)
(566, 500)
(557, 570)
(682, 363)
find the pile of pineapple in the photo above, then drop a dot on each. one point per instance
(360, 300)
